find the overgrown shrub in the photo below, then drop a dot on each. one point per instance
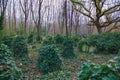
(81, 45)
(75, 39)
(5, 53)
(68, 49)
(105, 71)
(58, 75)
(38, 39)
(105, 42)
(8, 69)
(8, 40)
(109, 42)
(48, 40)
(48, 60)
(1, 21)
(20, 48)
(31, 38)
(1, 26)
(59, 39)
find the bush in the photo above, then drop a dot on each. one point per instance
(68, 49)
(48, 40)
(105, 42)
(105, 71)
(38, 39)
(5, 53)
(7, 40)
(20, 48)
(58, 75)
(48, 60)
(75, 39)
(31, 38)
(81, 45)
(109, 42)
(59, 39)
(1, 26)
(8, 69)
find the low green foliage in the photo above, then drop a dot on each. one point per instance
(8, 40)
(5, 53)
(68, 49)
(105, 42)
(61, 75)
(1, 21)
(81, 44)
(105, 71)
(31, 38)
(20, 48)
(48, 60)
(1, 26)
(75, 39)
(48, 40)
(108, 42)
(8, 69)
(59, 39)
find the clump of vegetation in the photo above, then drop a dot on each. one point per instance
(68, 49)
(1, 26)
(92, 71)
(105, 42)
(48, 60)
(58, 75)
(59, 39)
(5, 53)
(48, 40)
(8, 69)
(20, 48)
(81, 45)
(75, 39)
(31, 38)
(8, 40)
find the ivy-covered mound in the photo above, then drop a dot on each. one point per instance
(82, 46)
(48, 60)
(75, 39)
(105, 71)
(105, 42)
(1, 26)
(8, 69)
(59, 39)
(68, 49)
(7, 40)
(20, 48)
(48, 40)
(31, 38)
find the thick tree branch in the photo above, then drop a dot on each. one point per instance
(88, 14)
(111, 10)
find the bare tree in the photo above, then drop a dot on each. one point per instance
(26, 9)
(3, 5)
(66, 17)
(14, 16)
(100, 14)
(38, 20)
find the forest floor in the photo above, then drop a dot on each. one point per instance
(70, 67)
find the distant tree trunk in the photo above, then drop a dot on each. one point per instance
(66, 18)
(37, 21)
(14, 15)
(71, 21)
(25, 8)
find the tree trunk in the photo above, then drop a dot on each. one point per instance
(99, 29)
(66, 18)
